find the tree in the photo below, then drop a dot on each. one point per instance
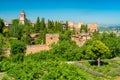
(1, 25)
(66, 36)
(110, 40)
(37, 25)
(1, 47)
(55, 26)
(42, 37)
(66, 50)
(42, 24)
(16, 30)
(83, 28)
(26, 37)
(96, 50)
(50, 24)
(67, 25)
(4, 44)
(60, 27)
(5, 32)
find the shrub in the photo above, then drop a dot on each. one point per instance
(18, 47)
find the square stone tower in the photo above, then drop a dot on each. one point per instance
(71, 25)
(92, 27)
(22, 17)
(52, 38)
(80, 24)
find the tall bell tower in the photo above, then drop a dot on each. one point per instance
(22, 17)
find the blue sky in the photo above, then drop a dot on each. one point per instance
(97, 11)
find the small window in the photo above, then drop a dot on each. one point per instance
(51, 38)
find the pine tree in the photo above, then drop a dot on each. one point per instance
(66, 25)
(42, 25)
(37, 25)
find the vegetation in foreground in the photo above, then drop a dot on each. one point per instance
(46, 67)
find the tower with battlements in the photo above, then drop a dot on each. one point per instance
(92, 27)
(22, 17)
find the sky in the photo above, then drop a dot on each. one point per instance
(87, 11)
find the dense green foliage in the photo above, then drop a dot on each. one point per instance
(27, 31)
(45, 70)
(18, 47)
(37, 25)
(66, 50)
(43, 66)
(1, 47)
(111, 41)
(97, 49)
(21, 32)
(16, 30)
(4, 44)
(83, 28)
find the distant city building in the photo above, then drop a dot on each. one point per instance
(7, 24)
(22, 18)
(117, 32)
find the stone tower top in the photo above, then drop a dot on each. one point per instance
(22, 17)
(22, 14)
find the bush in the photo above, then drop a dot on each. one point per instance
(67, 50)
(46, 70)
(18, 57)
(18, 47)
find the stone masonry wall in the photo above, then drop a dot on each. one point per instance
(36, 48)
(51, 38)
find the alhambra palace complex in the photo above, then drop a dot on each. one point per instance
(79, 38)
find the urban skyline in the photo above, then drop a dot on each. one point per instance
(87, 11)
